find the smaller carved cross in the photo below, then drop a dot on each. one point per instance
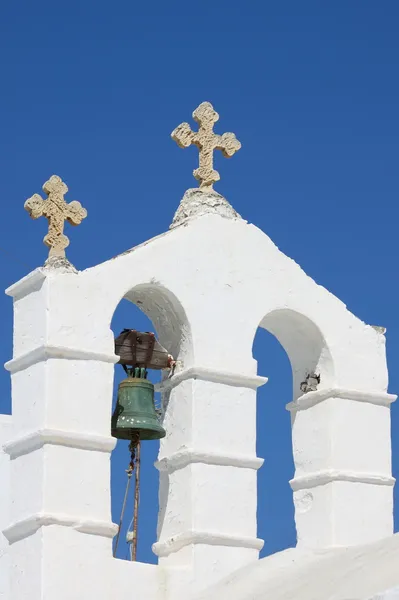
(207, 141)
(56, 211)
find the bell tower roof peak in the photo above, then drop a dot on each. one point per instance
(197, 202)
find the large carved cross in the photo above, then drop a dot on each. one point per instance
(56, 211)
(207, 141)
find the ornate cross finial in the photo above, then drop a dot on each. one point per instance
(207, 141)
(56, 211)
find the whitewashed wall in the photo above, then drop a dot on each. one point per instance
(5, 434)
(207, 285)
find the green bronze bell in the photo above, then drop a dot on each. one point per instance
(135, 409)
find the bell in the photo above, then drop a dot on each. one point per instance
(135, 410)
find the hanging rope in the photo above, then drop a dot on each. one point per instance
(136, 502)
(134, 448)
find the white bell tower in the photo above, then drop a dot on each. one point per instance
(229, 279)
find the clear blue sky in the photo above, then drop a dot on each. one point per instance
(91, 92)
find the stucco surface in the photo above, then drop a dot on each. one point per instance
(210, 274)
(358, 573)
(5, 435)
(196, 203)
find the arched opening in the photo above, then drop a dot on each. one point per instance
(275, 515)
(288, 348)
(144, 308)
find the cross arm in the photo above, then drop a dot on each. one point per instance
(75, 213)
(183, 135)
(228, 144)
(34, 206)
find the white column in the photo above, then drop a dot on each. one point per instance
(5, 433)
(343, 486)
(60, 517)
(208, 469)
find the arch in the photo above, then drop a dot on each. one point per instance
(275, 508)
(304, 344)
(308, 353)
(167, 315)
(159, 306)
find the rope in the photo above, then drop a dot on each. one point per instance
(129, 472)
(136, 502)
(134, 447)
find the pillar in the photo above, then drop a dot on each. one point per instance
(208, 467)
(5, 434)
(343, 486)
(59, 525)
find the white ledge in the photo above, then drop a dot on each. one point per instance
(312, 480)
(27, 284)
(56, 437)
(26, 527)
(42, 353)
(313, 398)
(179, 541)
(187, 456)
(213, 375)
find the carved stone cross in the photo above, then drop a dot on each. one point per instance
(56, 211)
(207, 141)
